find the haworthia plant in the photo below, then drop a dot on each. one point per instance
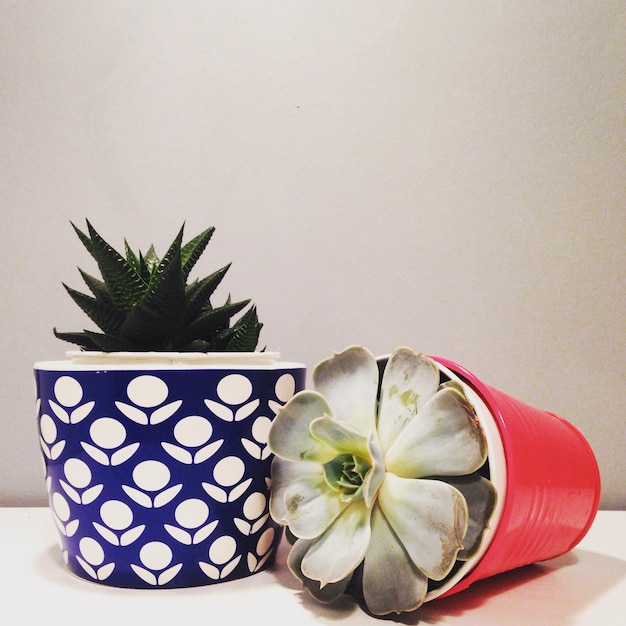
(143, 303)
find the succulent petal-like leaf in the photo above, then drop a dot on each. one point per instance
(283, 474)
(312, 506)
(326, 594)
(409, 381)
(337, 553)
(391, 582)
(445, 439)
(290, 436)
(480, 496)
(349, 382)
(376, 475)
(429, 518)
(339, 435)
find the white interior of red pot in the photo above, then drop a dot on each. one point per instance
(497, 470)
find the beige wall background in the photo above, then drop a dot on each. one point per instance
(444, 175)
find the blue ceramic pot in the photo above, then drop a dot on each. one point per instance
(158, 475)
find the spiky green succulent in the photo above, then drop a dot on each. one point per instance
(144, 303)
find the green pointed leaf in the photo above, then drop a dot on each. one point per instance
(125, 286)
(166, 291)
(80, 339)
(104, 314)
(111, 343)
(221, 339)
(132, 259)
(146, 267)
(193, 249)
(147, 329)
(197, 345)
(209, 323)
(84, 239)
(245, 336)
(198, 295)
(151, 260)
(97, 287)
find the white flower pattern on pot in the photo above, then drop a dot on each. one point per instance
(148, 392)
(228, 473)
(155, 568)
(285, 388)
(62, 513)
(186, 446)
(48, 437)
(233, 390)
(256, 512)
(108, 435)
(78, 482)
(191, 515)
(91, 559)
(263, 550)
(192, 434)
(258, 449)
(69, 393)
(152, 477)
(117, 519)
(223, 558)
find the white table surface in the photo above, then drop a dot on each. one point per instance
(586, 586)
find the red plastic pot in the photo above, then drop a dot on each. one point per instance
(549, 484)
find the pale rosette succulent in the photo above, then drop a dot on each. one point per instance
(380, 486)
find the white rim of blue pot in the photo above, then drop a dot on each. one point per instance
(90, 360)
(497, 472)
